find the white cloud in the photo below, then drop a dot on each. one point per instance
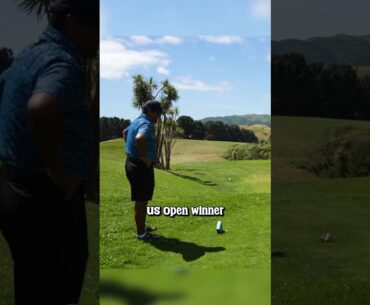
(188, 83)
(169, 40)
(221, 39)
(162, 70)
(116, 59)
(145, 40)
(141, 40)
(261, 9)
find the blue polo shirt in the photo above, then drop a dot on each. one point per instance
(142, 125)
(50, 65)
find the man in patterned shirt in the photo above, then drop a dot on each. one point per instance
(45, 151)
(141, 150)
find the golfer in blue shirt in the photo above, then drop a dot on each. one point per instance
(141, 150)
(46, 139)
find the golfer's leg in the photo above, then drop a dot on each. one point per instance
(47, 242)
(140, 216)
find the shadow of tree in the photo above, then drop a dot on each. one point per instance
(195, 179)
(134, 296)
(190, 170)
(189, 251)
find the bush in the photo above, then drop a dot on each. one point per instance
(345, 152)
(249, 151)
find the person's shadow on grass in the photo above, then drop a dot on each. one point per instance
(189, 251)
(132, 295)
(195, 179)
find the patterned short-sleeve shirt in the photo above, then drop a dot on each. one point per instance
(51, 65)
(144, 126)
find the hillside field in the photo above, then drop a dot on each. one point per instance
(306, 270)
(194, 264)
(198, 177)
(262, 132)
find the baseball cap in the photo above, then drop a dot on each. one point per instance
(154, 106)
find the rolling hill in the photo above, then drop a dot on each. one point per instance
(262, 132)
(339, 48)
(247, 119)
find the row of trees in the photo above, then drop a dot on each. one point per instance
(212, 130)
(303, 89)
(185, 128)
(111, 128)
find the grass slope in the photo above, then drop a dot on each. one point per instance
(216, 287)
(183, 151)
(262, 132)
(243, 187)
(309, 271)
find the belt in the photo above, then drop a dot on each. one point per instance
(133, 158)
(136, 160)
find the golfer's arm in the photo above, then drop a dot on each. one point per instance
(124, 134)
(46, 117)
(141, 144)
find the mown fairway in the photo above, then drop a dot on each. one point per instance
(198, 177)
(306, 270)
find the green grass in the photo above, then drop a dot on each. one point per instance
(90, 290)
(184, 151)
(242, 187)
(307, 270)
(208, 287)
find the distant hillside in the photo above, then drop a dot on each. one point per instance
(339, 48)
(363, 71)
(247, 119)
(262, 132)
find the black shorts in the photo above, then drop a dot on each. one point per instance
(141, 179)
(47, 237)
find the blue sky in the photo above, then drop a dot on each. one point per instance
(223, 69)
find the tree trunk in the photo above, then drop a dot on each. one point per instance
(160, 137)
(168, 156)
(169, 143)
